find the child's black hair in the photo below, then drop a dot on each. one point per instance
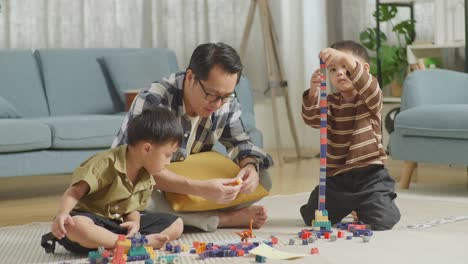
(355, 48)
(156, 124)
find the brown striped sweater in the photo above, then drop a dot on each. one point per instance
(354, 129)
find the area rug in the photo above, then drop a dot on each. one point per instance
(445, 243)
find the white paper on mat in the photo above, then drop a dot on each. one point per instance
(272, 253)
(436, 222)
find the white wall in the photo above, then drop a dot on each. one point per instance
(301, 28)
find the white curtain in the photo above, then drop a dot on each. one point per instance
(176, 24)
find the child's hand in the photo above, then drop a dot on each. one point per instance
(337, 57)
(58, 226)
(315, 81)
(131, 226)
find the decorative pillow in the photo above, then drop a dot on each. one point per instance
(204, 166)
(136, 70)
(7, 110)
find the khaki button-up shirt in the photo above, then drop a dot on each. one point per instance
(112, 194)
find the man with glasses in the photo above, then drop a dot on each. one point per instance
(203, 97)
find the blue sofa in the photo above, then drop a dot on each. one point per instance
(432, 125)
(60, 106)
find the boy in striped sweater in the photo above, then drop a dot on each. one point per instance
(356, 177)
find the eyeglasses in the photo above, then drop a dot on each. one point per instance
(215, 98)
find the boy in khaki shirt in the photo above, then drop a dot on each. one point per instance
(110, 191)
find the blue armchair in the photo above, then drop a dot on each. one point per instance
(432, 126)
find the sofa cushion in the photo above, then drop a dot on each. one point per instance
(23, 135)
(7, 110)
(83, 132)
(74, 81)
(443, 121)
(21, 83)
(137, 69)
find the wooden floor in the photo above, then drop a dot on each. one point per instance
(31, 199)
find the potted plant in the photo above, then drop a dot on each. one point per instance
(393, 60)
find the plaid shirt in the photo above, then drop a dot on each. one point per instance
(224, 125)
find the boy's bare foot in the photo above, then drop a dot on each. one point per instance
(241, 217)
(157, 240)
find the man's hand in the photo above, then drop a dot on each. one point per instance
(333, 56)
(250, 178)
(131, 226)
(220, 191)
(58, 226)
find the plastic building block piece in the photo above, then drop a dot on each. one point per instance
(340, 234)
(168, 247)
(240, 252)
(305, 242)
(151, 252)
(314, 250)
(196, 244)
(365, 239)
(238, 181)
(274, 240)
(349, 237)
(292, 241)
(176, 249)
(365, 232)
(137, 251)
(326, 235)
(168, 259)
(260, 259)
(184, 248)
(149, 261)
(333, 238)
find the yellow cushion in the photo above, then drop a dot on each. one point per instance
(205, 166)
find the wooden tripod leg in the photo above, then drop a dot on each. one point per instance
(247, 29)
(407, 173)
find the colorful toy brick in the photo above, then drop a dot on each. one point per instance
(176, 249)
(274, 240)
(168, 247)
(326, 235)
(305, 242)
(340, 234)
(99, 256)
(360, 232)
(260, 259)
(167, 259)
(291, 241)
(349, 237)
(333, 238)
(314, 251)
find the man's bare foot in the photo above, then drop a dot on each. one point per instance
(157, 240)
(241, 217)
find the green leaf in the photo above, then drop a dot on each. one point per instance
(387, 12)
(368, 38)
(407, 29)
